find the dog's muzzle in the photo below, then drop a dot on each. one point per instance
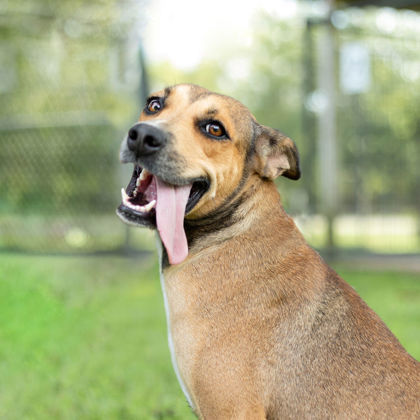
(157, 196)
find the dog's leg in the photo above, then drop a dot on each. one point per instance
(252, 412)
(220, 398)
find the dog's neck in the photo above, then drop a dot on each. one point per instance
(236, 216)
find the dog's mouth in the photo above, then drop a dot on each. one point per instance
(150, 201)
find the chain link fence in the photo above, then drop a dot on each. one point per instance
(69, 82)
(377, 130)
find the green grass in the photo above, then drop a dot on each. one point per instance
(395, 297)
(85, 338)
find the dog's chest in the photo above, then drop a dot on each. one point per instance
(181, 337)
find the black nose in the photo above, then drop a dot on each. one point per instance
(145, 139)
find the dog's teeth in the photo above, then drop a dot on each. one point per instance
(143, 209)
(124, 195)
(125, 198)
(126, 202)
(149, 206)
(143, 175)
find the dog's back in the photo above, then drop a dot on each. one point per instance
(343, 362)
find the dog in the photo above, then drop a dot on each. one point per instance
(259, 326)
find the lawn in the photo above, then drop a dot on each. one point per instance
(85, 337)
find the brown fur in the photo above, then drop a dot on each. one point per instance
(262, 327)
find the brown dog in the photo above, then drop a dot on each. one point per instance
(259, 326)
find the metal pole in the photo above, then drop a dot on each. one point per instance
(308, 116)
(142, 95)
(327, 149)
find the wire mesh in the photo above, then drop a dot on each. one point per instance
(68, 88)
(377, 131)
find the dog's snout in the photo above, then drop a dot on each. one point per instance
(144, 139)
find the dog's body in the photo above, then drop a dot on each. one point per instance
(259, 325)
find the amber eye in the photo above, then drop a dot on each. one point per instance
(215, 129)
(154, 106)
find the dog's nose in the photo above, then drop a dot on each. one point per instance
(145, 139)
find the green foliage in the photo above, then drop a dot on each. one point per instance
(66, 58)
(165, 74)
(63, 91)
(379, 134)
(58, 170)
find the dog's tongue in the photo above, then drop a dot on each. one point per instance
(170, 210)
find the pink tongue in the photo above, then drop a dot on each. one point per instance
(170, 210)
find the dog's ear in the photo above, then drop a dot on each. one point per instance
(276, 154)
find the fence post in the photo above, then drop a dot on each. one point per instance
(142, 95)
(327, 149)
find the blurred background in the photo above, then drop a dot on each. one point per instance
(82, 330)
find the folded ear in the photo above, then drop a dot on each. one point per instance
(276, 154)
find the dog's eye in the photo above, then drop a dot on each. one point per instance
(154, 106)
(215, 129)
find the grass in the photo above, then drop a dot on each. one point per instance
(395, 297)
(85, 337)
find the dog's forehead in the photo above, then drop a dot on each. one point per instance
(191, 94)
(194, 99)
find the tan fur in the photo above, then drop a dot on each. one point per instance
(262, 327)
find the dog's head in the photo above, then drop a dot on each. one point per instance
(192, 151)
